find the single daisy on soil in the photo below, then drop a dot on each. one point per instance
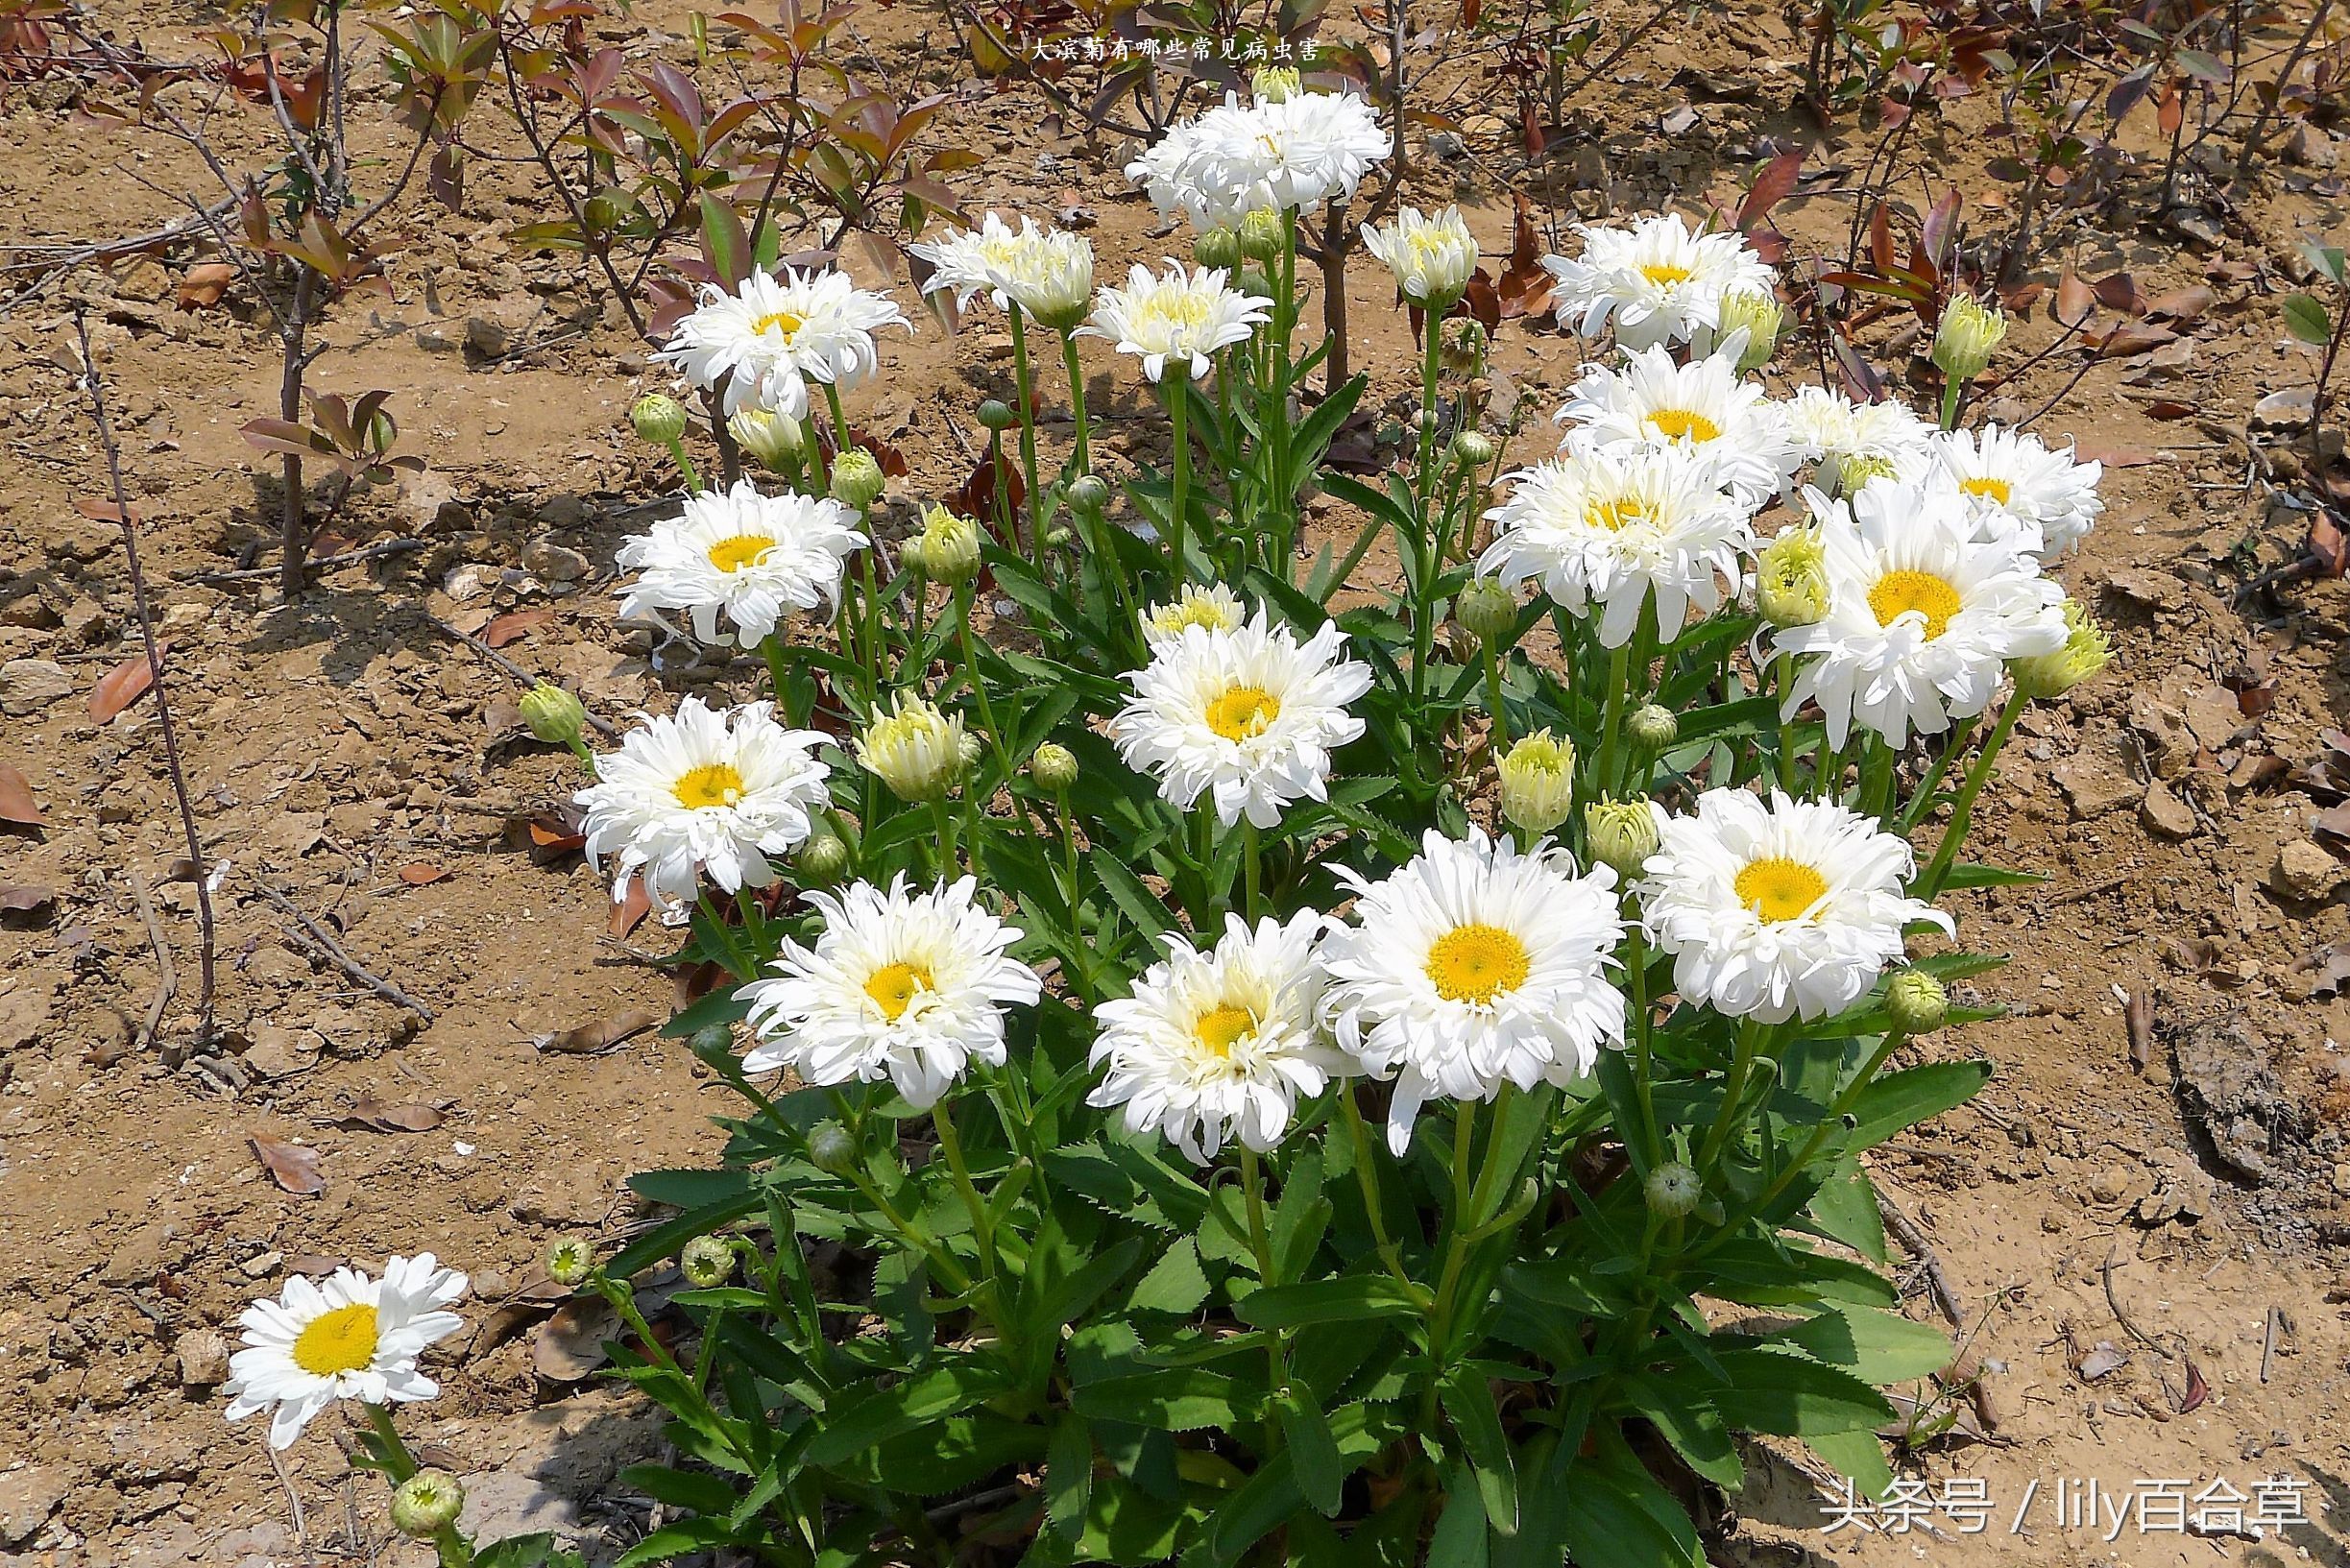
(755, 557)
(1215, 1048)
(1474, 966)
(346, 1336)
(906, 986)
(705, 791)
(1780, 909)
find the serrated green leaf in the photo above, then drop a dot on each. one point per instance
(1175, 1284)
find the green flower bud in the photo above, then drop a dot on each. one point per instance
(1053, 766)
(1473, 448)
(772, 439)
(1253, 281)
(1217, 248)
(1275, 83)
(1673, 1189)
(1653, 728)
(1485, 610)
(1967, 336)
(2087, 651)
(553, 715)
(659, 418)
(1791, 578)
(1621, 835)
(916, 748)
(1538, 782)
(426, 1503)
(1854, 471)
(712, 1040)
(1088, 495)
(997, 415)
(857, 478)
(1760, 315)
(822, 860)
(1464, 348)
(968, 750)
(570, 1260)
(707, 1263)
(831, 1148)
(948, 549)
(1263, 237)
(1916, 1001)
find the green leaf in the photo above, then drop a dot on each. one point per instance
(1879, 1347)
(1859, 1456)
(1844, 1207)
(1902, 1099)
(1459, 1541)
(1069, 1475)
(1177, 1399)
(1695, 1430)
(1176, 1283)
(1781, 1392)
(1967, 874)
(2306, 319)
(921, 1399)
(724, 244)
(1352, 1299)
(1616, 1517)
(1468, 1402)
(1150, 916)
(1321, 1476)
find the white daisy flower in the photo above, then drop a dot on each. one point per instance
(1621, 525)
(1049, 273)
(1291, 153)
(1658, 281)
(1474, 966)
(1853, 443)
(753, 556)
(1183, 316)
(909, 987)
(349, 1337)
(1432, 256)
(1215, 1048)
(1922, 616)
(1247, 718)
(2016, 484)
(969, 261)
(774, 335)
(1780, 910)
(720, 790)
(1213, 605)
(1703, 407)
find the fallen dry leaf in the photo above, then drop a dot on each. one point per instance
(293, 1167)
(601, 1035)
(569, 1346)
(123, 685)
(2100, 1361)
(2138, 1017)
(629, 911)
(16, 798)
(2124, 341)
(373, 1115)
(98, 511)
(24, 898)
(204, 283)
(2183, 305)
(514, 625)
(421, 873)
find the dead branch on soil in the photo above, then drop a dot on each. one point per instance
(318, 564)
(334, 953)
(95, 385)
(520, 676)
(168, 986)
(1937, 1284)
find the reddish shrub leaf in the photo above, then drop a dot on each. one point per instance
(1525, 289)
(204, 283)
(16, 798)
(123, 685)
(514, 625)
(292, 1167)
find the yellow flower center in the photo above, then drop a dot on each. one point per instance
(1998, 489)
(1779, 889)
(1615, 515)
(1683, 424)
(1242, 712)
(1477, 962)
(893, 988)
(343, 1340)
(1175, 618)
(1664, 274)
(1175, 310)
(712, 783)
(741, 550)
(786, 321)
(1897, 593)
(1224, 1027)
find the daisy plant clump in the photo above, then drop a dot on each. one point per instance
(1246, 1057)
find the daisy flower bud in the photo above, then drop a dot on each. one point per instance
(1652, 727)
(1253, 282)
(914, 749)
(659, 418)
(1262, 237)
(1760, 315)
(857, 478)
(1053, 766)
(948, 549)
(2086, 651)
(1673, 1189)
(1088, 494)
(1967, 336)
(998, 415)
(1916, 1001)
(1791, 579)
(1463, 350)
(968, 750)
(773, 440)
(1219, 248)
(824, 858)
(1472, 450)
(554, 715)
(831, 1148)
(1538, 782)
(426, 1503)
(1621, 835)
(707, 1263)
(1485, 610)
(1275, 83)
(570, 1260)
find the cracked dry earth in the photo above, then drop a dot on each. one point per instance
(2140, 1224)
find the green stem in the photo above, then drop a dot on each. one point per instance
(1178, 517)
(1611, 724)
(685, 467)
(1076, 402)
(1252, 873)
(958, 1279)
(1022, 379)
(978, 687)
(1367, 1176)
(982, 1228)
(1643, 1047)
(1428, 373)
(1953, 390)
(1783, 671)
(404, 1463)
(1492, 699)
(1962, 815)
(1751, 1037)
(1276, 1353)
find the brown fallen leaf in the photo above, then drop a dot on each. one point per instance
(123, 685)
(373, 1115)
(569, 1346)
(629, 911)
(601, 1035)
(293, 1167)
(2169, 409)
(2138, 1017)
(514, 625)
(421, 873)
(25, 898)
(2183, 305)
(16, 803)
(102, 511)
(204, 283)
(2133, 339)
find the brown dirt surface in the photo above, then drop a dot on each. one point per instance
(2167, 1214)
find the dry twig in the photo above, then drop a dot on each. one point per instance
(1937, 1284)
(335, 954)
(520, 676)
